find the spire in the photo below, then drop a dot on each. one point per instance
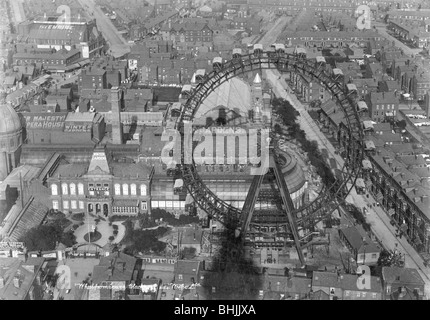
(257, 79)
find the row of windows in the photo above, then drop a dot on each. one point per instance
(18, 61)
(71, 189)
(360, 294)
(73, 205)
(383, 107)
(376, 113)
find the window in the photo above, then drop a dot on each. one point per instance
(363, 294)
(180, 276)
(125, 189)
(143, 189)
(373, 255)
(133, 189)
(55, 204)
(143, 205)
(74, 204)
(64, 189)
(81, 205)
(54, 190)
(374, 295)
(106, 187)
(117, 189)
(358, 294)
(91, 189)
(66, 204)
(72, 189)
(81, 189)
(347, 293)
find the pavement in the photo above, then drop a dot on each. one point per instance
(105, 230)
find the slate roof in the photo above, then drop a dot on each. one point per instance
(355, 239)
(401, 276)
(343, 281)
(115, 267)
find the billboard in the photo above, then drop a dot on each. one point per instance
(45, 121)
(77, 127)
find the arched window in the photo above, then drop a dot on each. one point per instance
(125, 189)
(143, 189)
(117, 189)
(81, 189)
(65, 189)
(54, 189)
(73, 189)
(133, 189)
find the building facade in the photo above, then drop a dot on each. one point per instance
(101, 188)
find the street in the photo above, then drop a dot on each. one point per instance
(117, 43)
(271, 36)
(381, 29)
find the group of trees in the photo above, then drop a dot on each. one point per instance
(145, 241)
(170, 219)
(358, 215)
(45, 237)
(388, 259)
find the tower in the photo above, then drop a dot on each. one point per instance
(257, 99)
(116, 115)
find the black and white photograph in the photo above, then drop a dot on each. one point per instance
(214, 153)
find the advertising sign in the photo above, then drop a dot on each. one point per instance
(43, 121)
(76, 127)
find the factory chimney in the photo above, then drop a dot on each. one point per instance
(116, 115)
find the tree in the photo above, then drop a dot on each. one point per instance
(315, 103)
(277, 128)
(45, 237)
(390, 259)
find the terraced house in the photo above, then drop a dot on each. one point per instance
(187, 32)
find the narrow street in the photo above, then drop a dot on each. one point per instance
(381, 29)
(117, 43)
(271, 36)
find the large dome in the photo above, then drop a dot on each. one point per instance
(9, 120)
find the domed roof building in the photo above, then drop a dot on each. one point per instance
(10, 139)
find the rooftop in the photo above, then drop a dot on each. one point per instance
(24, 272)
(398, 275)
(343, 281)
(115, 267)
